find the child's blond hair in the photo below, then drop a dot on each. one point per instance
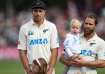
(75, 22)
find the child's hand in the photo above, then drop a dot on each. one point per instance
(49, 69)
(75, 56)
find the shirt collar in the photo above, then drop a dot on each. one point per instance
(33, 23)
(91, 39)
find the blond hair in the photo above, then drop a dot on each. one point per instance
(75, 22)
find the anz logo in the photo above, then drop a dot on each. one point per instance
(38, 41)
(87, 53)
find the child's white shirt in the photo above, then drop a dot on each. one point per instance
(72, 44)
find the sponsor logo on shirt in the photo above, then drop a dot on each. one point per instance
(38, 41)
(87, 52)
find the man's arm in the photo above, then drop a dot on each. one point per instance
(100, 61)
(24, 60)
(53, 59)
(65, 61)
(79, 63)
(92, 64)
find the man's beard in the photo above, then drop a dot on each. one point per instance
(88, 31)
(37, 19)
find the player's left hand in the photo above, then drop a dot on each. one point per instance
(78, 62)
(49, 70)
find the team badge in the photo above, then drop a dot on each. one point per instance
(30, 33)
(91, 44)
(45, 30)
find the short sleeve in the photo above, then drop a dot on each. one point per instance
(101, 51)
(68, 41)
(68, 45)
(22, 40)
(54, 38)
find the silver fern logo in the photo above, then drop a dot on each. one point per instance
(45, 30)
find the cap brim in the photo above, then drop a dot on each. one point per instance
(39, 8)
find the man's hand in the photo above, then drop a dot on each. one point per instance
(29, 71)
(78, 62)
(75, 62)
(75, 56)
(49, 69)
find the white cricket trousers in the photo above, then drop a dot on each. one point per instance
(77, 70)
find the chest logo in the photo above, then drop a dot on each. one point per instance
(40, 41)
(91, 44)
(45, 30)
(30, 33)
(87, 52)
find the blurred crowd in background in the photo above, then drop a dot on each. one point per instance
(10, 21)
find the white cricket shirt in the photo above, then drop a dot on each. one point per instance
(91, 49)
(38, 41)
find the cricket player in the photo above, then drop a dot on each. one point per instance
(38, 38)
(92, 48)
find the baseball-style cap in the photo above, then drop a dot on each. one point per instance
(39, 4)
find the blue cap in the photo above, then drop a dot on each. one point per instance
(39, 4)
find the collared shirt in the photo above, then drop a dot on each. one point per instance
(38, 40)
(72, 44)
(92, 49)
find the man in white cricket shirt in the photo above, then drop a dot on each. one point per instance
(92, 50)
(38, 38)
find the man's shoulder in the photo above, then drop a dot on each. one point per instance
(49, 23)
(100, 42)
(99, 39)
(27, 24)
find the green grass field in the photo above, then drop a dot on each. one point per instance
(15, 67)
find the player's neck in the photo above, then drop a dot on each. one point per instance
(88, 36)
(39, 23)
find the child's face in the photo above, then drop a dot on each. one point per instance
(75, 29)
